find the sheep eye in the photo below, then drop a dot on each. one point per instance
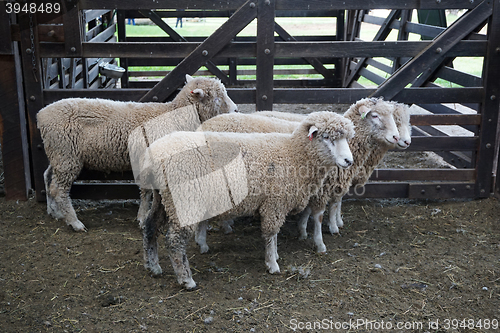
(326, 136)
(374, 115)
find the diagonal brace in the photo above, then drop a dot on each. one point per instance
(204, 52)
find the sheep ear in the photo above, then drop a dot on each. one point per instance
(188, 78)
(313, 130)
(363, 111)
(198, 92)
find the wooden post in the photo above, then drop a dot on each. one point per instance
(490, 107)
(265, 54)
(33, 97)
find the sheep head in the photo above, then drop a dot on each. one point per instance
(374, 117)
(402, 119)
(328, 133)
(209, 95)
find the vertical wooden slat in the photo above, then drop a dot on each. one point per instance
(5, 36)
(11, 140)
(73, 28)
(265, 54)
(490, 107)
(122, 37)
(33, 99)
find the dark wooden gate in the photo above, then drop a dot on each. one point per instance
(63, 62)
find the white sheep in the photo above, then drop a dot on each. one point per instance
(378, 123)
(93, 133)
(297, 117)
(402, 118)
(386, 121)
(203, 175)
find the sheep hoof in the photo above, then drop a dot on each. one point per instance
(273, 269)
(78, 226)
(321, 249)
(228, 229)
(303, 236)
(155, 270)
(333, 229)
(190, 285)
(204, 248)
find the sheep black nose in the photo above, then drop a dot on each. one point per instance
(348, 162)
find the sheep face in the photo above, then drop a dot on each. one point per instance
(331, 133)
(209, 95)
(402, 118)
(379, 116)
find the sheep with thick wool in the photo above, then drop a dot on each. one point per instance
(227, 175)
(93, 133)
(380, 126)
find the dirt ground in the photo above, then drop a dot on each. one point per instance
(413, 266)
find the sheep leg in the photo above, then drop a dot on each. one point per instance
(59, 187)
(201, 236)
(272, 253)
(340, 223)
(176, 245)
(150, 231)
(227, 226)
(146, 197)
(302, 224)
(52, 208)
(334, 212)
(318, 234)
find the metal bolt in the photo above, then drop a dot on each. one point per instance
(438, 187)
(423, 191)
(252, 5)
(471, 1)
(51, 33)
(488, 145)
(438, 1)
(490, 120)
(32, 98)
(155, 98)
(43, 192)
(264, 97)
(28, 51)
(467, 187)
(39, 147)
(493, 97)
(267, 2)
(497, 50)
(453, 189)
(204, 53)
(267, 51)
(482, 190)
(439, 50)
(73, 49)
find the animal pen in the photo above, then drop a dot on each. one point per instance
(45, 57)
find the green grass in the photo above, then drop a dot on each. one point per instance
(297, 27)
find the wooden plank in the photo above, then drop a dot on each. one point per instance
(468, 175)
(441, 190)
(11, 134)
(73, 29)
(456, 143)
(435, 53)
(265, 54)
(89, 15)
(50, 33)
(448, 119)
(280, 4)
(378, 190)
(122, 38)
(337, 49)
(209, 48)
(490, 108)
(96, 175)
(104, 191)
(105, 35)
(5, 36)
(458, 77)
(34, 101)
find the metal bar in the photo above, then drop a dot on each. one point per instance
(5, 36)
(73, 29)
(265, 54)
(435, 53)
(206, 50)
